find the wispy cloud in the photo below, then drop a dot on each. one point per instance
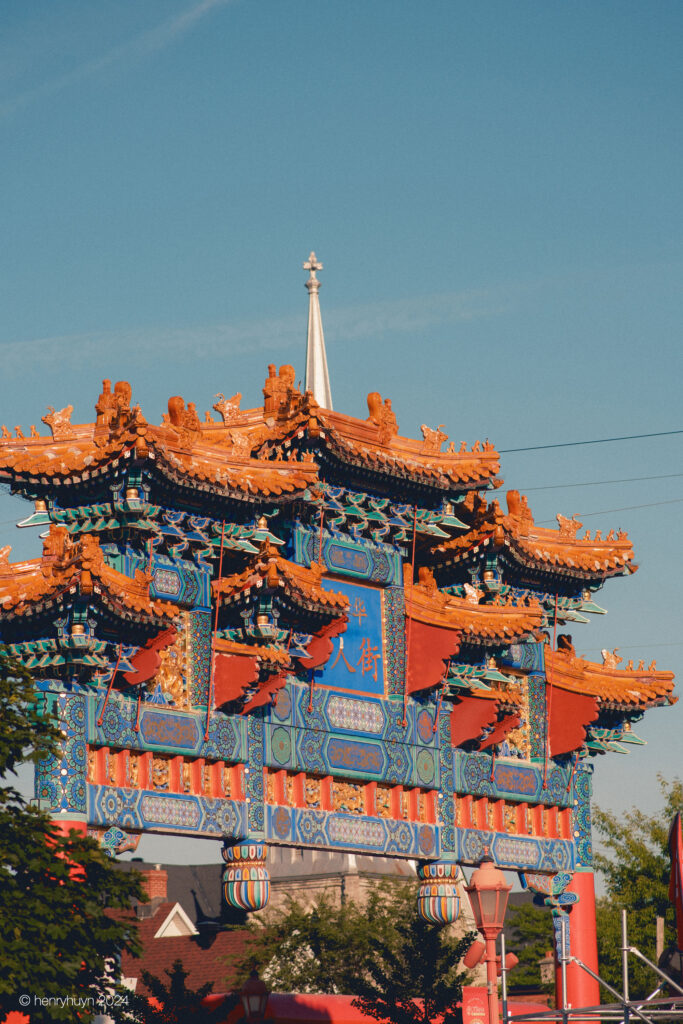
(350, 325)
(147, 43)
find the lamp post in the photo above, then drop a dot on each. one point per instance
(254, 996)
(488, 892)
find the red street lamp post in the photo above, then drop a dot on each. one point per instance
(488, 892)
(254, 995)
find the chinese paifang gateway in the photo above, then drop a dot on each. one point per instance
(285, 625)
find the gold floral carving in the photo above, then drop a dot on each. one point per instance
(312, 793)
(134, 770)
(348, 796)
(175, 662)
(270, 786)
(510, 818)
(160, 773)
(227, 780)
(187, 777)
(206, 778)
(383, 802)
(92, 765)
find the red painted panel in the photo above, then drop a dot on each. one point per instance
(569, 714)
(498, 734)
(429, 650)
(266, 692)
(470, 717)
(232, 674)
(146, 662)
(320, 646)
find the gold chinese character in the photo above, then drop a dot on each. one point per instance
(340, 654)
(359, 611)
(368, 658)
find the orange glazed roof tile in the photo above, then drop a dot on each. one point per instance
(268, 654)
(237, 453)
(538, 546)
(270, 570)
(288, 415)
(65, 565)
(496, 623)
(612, 686)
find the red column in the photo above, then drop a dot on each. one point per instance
(64, 827)
(582, 990)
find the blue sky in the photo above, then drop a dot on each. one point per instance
(494, 190)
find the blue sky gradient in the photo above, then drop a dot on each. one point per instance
(494, 190)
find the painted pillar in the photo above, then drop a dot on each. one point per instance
(582, 990)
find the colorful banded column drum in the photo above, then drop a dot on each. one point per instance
(437, 899)
(246, 883)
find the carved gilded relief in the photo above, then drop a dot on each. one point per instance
(348, 797)
(92, 765)
(160, 773)
(405, 808)
(510, 817)
(186, 776)
(174, 670)
(519, 740)
(134, 770)
(383, 801)
(312, 793)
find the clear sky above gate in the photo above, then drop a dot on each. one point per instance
(493, 189)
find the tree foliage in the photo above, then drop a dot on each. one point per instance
(531, 934)
(173, 1002)
(381, 952)
(56, 940)
(634, 861)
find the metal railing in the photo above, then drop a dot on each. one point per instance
(620, 1012)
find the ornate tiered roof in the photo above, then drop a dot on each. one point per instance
(66, 567)
(269, 571)
(495, 623)
(559, 552)
(614, 688)
(270, 451)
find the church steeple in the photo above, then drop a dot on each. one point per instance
(317, 377)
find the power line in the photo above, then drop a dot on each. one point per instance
(598, 440)
(625, 508)
(632, 647)
(598, 483)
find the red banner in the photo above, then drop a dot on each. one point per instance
(676, 882)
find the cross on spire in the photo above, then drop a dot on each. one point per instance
(312, 264)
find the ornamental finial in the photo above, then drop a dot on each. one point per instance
(312, 264)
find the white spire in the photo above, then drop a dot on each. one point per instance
(317, 377)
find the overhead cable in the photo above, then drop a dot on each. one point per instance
(597, 440)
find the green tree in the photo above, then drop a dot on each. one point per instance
(531, 936)
(381, 952)
(174, 1002)
(56, 939)
(633, 859)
